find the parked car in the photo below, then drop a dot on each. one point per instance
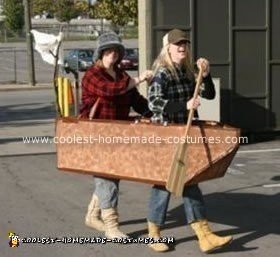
(79, 59)
(130, 59)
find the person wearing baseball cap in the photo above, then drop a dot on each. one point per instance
(170, 97)
(175, 36)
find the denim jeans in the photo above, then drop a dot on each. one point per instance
(193, 204)
(107, 191)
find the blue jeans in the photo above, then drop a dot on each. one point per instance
(107, 191)
(193, 204)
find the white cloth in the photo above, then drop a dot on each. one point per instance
(47, 46)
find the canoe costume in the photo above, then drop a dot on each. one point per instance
(170, 96)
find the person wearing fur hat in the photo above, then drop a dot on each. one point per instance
(116, 93)
(170, 96)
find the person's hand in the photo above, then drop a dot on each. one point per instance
(203, 64)
(193, 103)
(146, 75)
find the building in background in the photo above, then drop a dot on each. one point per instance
(240, 38)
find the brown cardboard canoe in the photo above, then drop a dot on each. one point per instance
(143, 151)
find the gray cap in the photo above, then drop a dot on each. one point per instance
(106, 41)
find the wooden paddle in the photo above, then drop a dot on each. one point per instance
(176, 180)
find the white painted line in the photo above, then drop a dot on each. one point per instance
(272, 185)
(239, 164)
(259, 151)
(234, 171)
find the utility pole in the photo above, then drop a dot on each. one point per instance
(30, 55)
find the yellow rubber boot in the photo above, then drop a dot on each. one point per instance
(208, 241)
(154, 232)
(93, 216)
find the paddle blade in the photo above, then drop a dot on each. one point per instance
(176, 180)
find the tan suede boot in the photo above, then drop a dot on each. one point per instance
(110, 218)
(93, 216)
(208, 241)
(154, 232)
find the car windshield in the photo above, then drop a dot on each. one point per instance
(86, 54)
(131, 52)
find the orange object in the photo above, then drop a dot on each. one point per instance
(101, 147)
(70, 93)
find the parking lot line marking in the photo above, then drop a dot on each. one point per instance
(259, 151)
(272, 185)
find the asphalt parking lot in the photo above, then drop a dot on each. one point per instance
(39, 201)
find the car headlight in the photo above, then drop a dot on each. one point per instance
(125, 61)
(83, 63)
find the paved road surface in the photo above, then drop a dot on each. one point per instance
(38, 200)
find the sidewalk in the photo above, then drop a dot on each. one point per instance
(23, 114)
(18, 87)
(12, 133)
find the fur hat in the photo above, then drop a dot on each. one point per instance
(106, 41)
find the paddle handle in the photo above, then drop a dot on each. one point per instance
(176, 179)
(195, 95)
(182, 149)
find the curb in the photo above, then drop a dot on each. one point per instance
(25, 87)
(7, 155)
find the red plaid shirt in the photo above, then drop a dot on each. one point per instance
(115, 101)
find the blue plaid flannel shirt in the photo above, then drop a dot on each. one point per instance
(164, 87)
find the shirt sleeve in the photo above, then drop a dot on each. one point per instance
(97, 82)
(156, 99)
(88, 97)
(207, 88)
(140, 104)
